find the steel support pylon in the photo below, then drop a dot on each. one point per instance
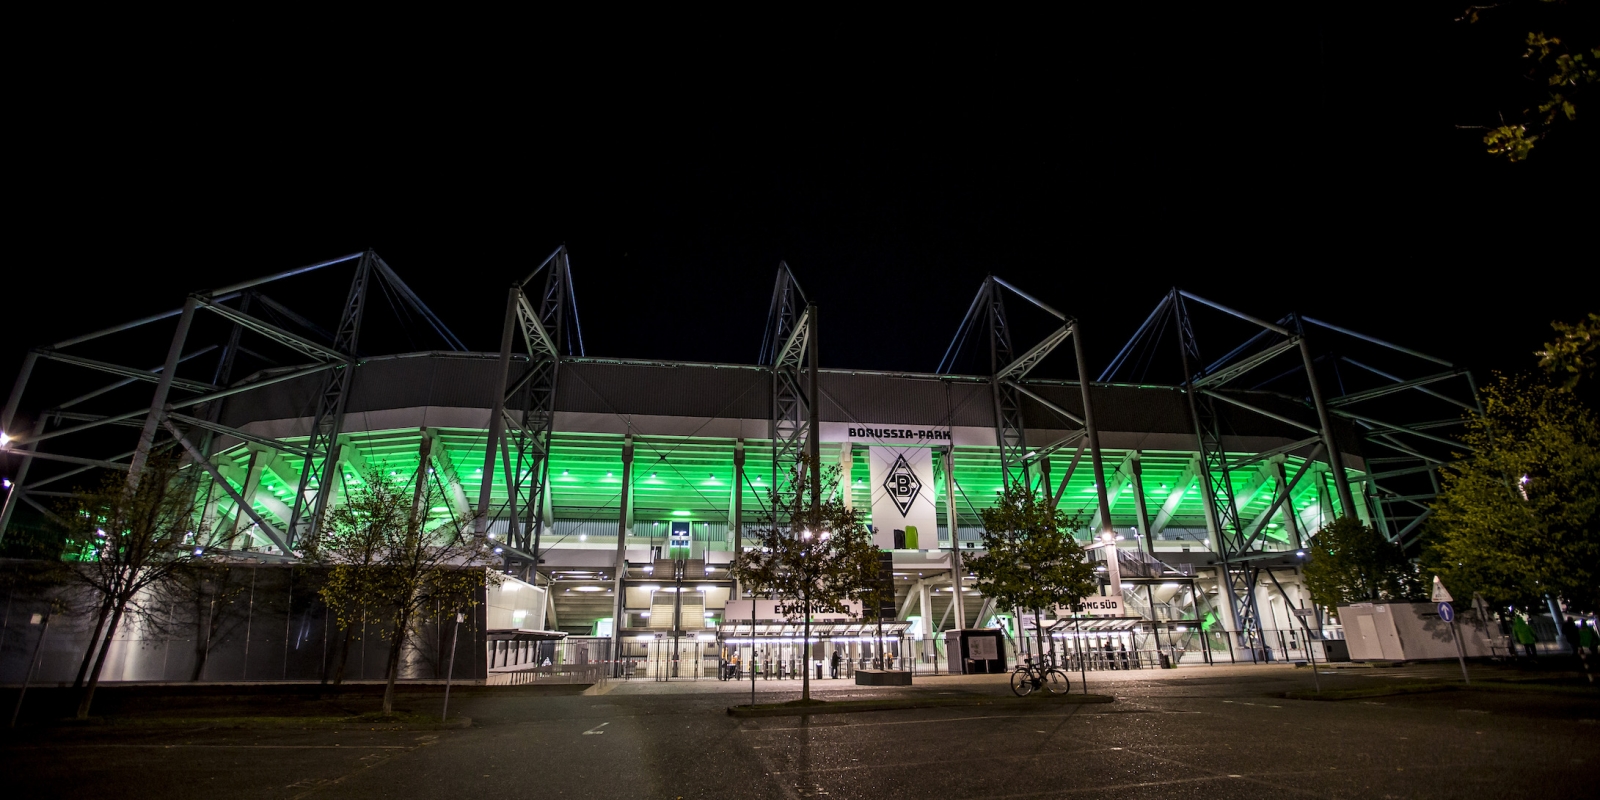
(322, 457)
(784, 351)
(522, 421)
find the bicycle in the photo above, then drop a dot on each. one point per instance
(1027, 677)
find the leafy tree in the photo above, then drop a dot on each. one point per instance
(1351, 562)
(816, 559)
(138, 537)
(1571, 357)
(1559, 70)
(1519, 517)
(1031, 560)
(390, 567)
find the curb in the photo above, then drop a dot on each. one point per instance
(1488, 687)
(852, 706)
(261, 723)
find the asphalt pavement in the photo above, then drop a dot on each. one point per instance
(1212, 732)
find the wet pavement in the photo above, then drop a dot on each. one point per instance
(1196, 732)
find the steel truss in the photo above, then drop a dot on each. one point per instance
(1020, 464)
(522, 421)
(1240, 542)
(788, 349)
(188, 409)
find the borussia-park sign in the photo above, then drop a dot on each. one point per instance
(929, 435)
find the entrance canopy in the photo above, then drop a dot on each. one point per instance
(819, 630)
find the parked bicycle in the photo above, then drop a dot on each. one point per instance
(1028, 677)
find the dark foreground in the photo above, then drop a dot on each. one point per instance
(1187, 733)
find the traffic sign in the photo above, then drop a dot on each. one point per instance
(1305, 612)
(1440, 594)
(1447, 612)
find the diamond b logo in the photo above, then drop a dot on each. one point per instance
(902, 485)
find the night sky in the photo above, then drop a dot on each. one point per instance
(1299, 163)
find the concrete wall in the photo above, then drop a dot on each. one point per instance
(270, 625)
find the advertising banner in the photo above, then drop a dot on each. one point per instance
(904, 514)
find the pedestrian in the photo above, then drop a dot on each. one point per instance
(1589, 638)
(1524, 635)
(835, 662)
(1111, 657)
(1569, 631)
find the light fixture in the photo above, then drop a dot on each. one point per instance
(583, 537)
(5, 439)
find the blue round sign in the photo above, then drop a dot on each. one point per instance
(1447, 612)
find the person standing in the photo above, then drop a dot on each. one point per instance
(1524, 635)
(835, 662)
(1569, 631)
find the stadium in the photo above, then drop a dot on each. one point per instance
(614, 493)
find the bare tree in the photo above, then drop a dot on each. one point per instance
(200, 596)
(135, 537)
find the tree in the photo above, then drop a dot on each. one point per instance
(1571, 357)
(1351, 562)
(138, 536)
(1518, 518)
(1031, 560)
(815, 559)
(201, 596)
(1558, 69)
(389, 566)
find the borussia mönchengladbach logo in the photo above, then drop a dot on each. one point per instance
(902, 485)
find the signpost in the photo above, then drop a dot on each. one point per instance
(1303, 613)
(450, 671)
(1447, 612)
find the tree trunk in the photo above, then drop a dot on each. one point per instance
(878, 657)
(805, 649)
(344, 655)
(100, 662)
(1038, 635)
(88, 652)
(205, 628)
(396, 642)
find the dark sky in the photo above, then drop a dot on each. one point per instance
(1291, 163)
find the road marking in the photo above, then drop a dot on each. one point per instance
(902, 722)
(312, 786)
(595, 731)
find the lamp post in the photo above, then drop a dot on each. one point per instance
(33, 665)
